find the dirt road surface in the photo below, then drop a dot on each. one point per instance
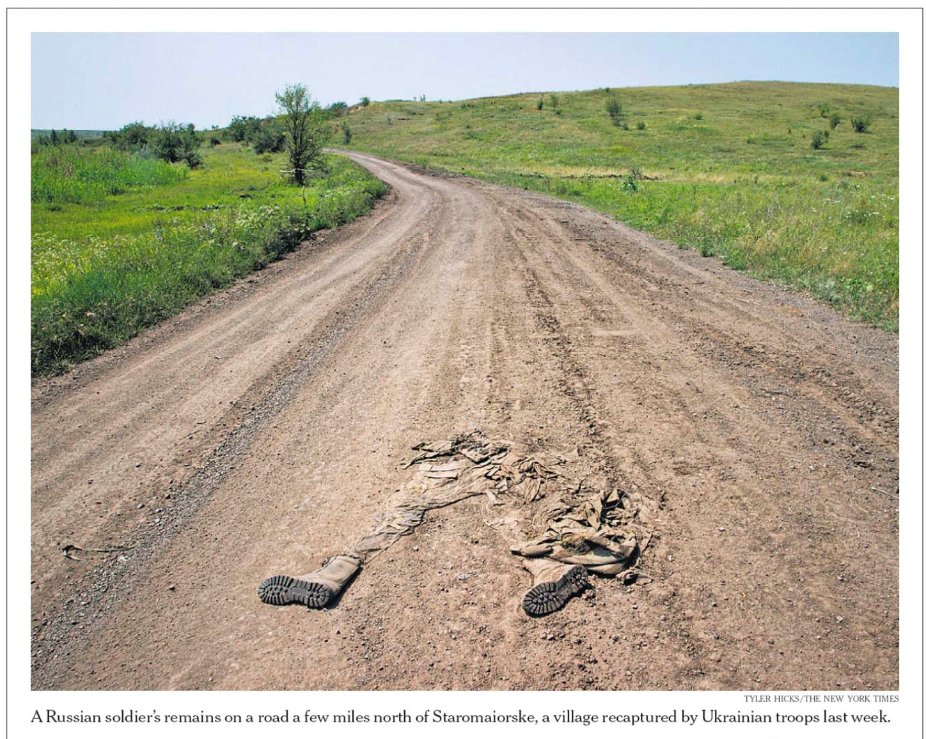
(264, 429)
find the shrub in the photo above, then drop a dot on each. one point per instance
(214, 141)
(835, 120)
(554, 101)
(816, 141)
(540, 103)
(269, 138)
(364, 101)
(243, 127)
(641, 125)
(615, 109)
(824, 110)
(699, 116)
(345, 132)
(132, 136)
(176, 142)
(861, 124)
(336, 109)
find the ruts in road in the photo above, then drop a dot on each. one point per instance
(265, 429)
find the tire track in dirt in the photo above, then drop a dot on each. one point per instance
(570, 288)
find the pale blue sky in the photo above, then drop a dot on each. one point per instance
(103, 80)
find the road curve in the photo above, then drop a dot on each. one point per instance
(264, 429)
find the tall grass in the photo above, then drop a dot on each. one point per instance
(98, 287)
(73, 174)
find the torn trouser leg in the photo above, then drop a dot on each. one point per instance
(554, 584)
(314, 590)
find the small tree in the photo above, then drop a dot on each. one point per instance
(554, 101)
(176, 142)
(133, 136)
(615, 109)
(336, 109)
(303, 133)
(243, 127)
(364, 101)
(540, 103)
(860, 124)
(345, 132)
(835, 120)
(269, 137)
(816, 141)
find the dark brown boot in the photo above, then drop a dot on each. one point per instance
(554, 585)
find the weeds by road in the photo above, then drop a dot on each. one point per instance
(106, 265)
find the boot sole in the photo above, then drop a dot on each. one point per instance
(548, 597)
(283, 590)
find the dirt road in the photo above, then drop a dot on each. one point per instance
(264, 429)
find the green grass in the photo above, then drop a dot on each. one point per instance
(72, 174)
(735, 174)
(106, 266)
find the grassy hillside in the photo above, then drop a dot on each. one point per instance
(120, 242)
(726, 169)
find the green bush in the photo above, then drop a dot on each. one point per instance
(861, 124)
(540, 103)
(243, 127)
(817, 139)
(269, 137)
(133, 136)
(641, 125)
(615, 109)
(336, 110)
(177, 142)
(835, 120)
(364, 101)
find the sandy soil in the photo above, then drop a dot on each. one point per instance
(264, 429)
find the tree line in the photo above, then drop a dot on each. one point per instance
(300, 127)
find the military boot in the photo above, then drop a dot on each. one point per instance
(314, 590)
(554, 584)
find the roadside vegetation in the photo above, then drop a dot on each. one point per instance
(122, 238)
(795, 183)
